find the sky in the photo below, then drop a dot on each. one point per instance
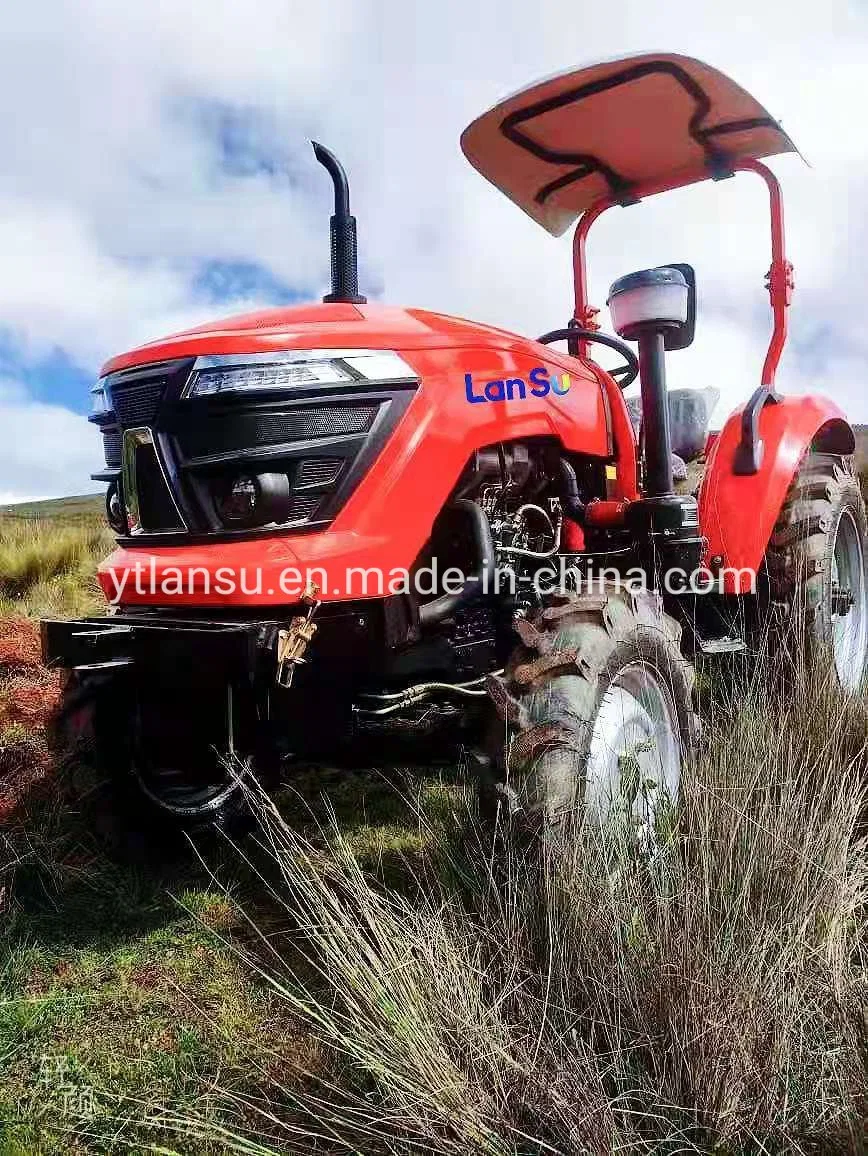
(155, 172)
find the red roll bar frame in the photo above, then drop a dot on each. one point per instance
(779, 279)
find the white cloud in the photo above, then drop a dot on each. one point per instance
(45, 448)
(112, 192)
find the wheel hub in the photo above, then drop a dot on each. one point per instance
(848, 604)
(842, 599)
(634, 761)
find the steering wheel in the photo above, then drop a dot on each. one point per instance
(624, 374)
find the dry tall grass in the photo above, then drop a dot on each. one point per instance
(585, 998)
(47, 565)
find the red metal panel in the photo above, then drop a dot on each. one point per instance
(388, 518)
(737, 513)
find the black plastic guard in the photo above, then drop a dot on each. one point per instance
(749, 451)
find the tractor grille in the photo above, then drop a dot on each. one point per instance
(302, 509)
(315, 472)
(188, 452)
(137, 404)
(224, 433)
(111, 442)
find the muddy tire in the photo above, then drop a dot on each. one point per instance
(91, 735)
(594, 712)
(816, 566)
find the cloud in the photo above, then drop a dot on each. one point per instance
(157, 171)
(45, 447)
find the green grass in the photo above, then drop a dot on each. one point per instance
(48, 564)
(122, 989)
(583, 996)
(107, 1024)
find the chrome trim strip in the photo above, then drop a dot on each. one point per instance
(133, 439)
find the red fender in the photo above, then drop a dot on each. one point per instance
(737, 513)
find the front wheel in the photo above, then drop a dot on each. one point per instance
(595, 713)
(140, 797)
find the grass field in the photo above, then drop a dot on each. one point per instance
(48, 557)
(361, 978)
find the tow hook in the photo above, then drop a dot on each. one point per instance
(293, 640)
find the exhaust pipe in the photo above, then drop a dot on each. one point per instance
(345, 268)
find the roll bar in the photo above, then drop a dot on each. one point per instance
(779, 279)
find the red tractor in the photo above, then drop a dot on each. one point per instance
(280, 482)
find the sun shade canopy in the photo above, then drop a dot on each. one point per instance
(663, 120)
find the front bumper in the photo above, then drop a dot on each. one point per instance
(182, 651)
(189, 648)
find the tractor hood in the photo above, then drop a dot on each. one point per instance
(663, 120)
(333, 326)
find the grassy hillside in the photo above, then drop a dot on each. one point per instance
(84, 506)
(48, 560)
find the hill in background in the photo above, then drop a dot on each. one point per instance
(83, 506)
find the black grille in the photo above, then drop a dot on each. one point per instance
(323, 440)
(111, 442)
(156, 508)
(243, 431)
(303, 508)
(317, 472)
(137, 404)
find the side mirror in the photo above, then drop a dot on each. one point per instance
(682, 336)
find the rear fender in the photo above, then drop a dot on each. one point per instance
(737, 513)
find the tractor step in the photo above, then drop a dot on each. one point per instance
(95, 667)
(719, 640)
(720, 645)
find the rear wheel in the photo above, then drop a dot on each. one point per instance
(816, 563)
(594, 713)
(134, 800)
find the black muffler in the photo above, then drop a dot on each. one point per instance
(345, 268)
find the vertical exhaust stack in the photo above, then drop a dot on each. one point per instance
(345, 268)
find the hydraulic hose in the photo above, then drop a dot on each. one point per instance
(435, 611)
(573, 505)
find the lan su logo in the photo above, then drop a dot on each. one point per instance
(539, 384)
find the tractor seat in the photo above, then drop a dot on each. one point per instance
(690, 412)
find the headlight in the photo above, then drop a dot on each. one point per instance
(254, 500)
(114, 509)
(294, 369)
(99, 401)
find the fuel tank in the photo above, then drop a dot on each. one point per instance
(400, 444)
